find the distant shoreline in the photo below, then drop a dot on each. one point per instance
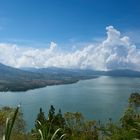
(33, 87)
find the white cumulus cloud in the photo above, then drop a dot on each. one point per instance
(115, 52)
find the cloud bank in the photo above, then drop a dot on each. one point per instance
(115, 52)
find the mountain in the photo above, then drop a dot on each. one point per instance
(60, 71)
(84, 72)
(13, 79)
(10, 73)
(123, 73)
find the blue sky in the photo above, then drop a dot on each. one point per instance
(95, 34)
(66, 21)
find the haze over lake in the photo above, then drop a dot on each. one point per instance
(101, 98)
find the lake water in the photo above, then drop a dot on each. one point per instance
(98, 99)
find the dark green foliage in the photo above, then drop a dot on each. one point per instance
(132, 113)
(51, 114)
(59, 120)
(9, 125)
(14, 125)
(55, 124)
(41, 118)
(19, 124)
(79, 128)
(127, 118)
(134, 100)
(128, 128)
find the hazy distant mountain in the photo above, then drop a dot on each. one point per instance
(123, 73)
(84, 72)
(10, 73)
(13, 79)
(60, 71)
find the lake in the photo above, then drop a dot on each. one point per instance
(100, 98)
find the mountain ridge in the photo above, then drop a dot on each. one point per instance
(23, 79)
(13, 79)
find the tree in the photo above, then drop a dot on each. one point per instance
(59, 120)
(134, 101)
(41, 118)
(47, 129)
(51, 114)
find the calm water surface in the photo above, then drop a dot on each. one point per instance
(97, 99)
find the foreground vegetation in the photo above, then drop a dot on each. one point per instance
(71, 126)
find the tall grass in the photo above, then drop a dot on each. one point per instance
(47, 136)
(9, 125)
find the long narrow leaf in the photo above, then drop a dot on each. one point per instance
(55, 133)
(12, 123)
(41, 134)
(9, 125)
(62, 136)
(7, 128)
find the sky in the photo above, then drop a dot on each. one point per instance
(95, 34)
